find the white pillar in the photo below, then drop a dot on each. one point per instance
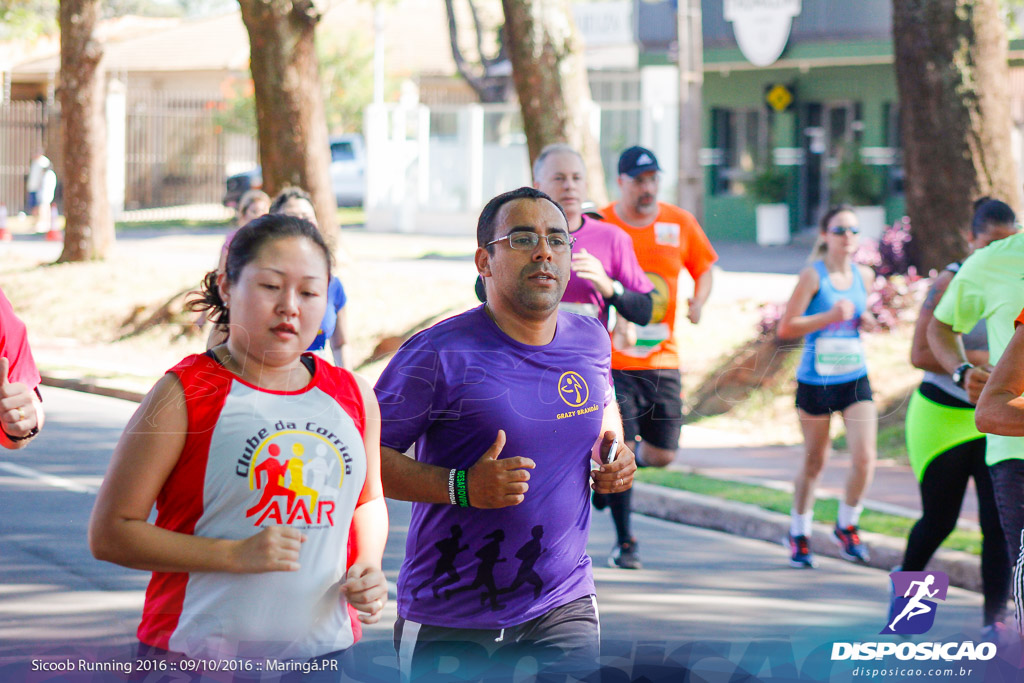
(659, 124)
(423, 155)
(376, 132)
(475, 195)
(117, 126)
(402, 198)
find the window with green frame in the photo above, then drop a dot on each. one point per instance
(894, 140)
(740, 148)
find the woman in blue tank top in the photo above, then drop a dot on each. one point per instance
(829, 309)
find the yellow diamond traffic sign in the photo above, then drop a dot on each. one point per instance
(779, 97)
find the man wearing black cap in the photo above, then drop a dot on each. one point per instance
(648, 385)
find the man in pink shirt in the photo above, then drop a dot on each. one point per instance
(605, 270)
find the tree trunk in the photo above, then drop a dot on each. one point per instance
(294, 148)
(551, 80)
(89, 231)
(953, 79)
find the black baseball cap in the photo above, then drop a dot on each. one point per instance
(637, 160)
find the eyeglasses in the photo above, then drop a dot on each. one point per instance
(841, 230)
(523, 240)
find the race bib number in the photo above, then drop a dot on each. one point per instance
(667, 233)
(591, 310)
(838, 355)
(648, 339)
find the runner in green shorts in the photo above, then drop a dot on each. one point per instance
(985, 289)
(944, 447)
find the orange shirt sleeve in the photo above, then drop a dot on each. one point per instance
(1019, 320)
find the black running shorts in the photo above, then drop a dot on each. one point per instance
(834, 398)
(651, 403)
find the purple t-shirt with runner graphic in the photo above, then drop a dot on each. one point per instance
(450, 389)
(614, 249)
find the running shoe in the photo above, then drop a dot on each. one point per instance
(850, 547)
(892, 589)
(800, 555)
(998, 633)
(625, 555)
(892, 593)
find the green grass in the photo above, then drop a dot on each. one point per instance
(892, 442)
(175, 223)
(351, 215)
(781, 502)
(354, 215)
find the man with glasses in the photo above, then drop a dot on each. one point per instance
(509, 404)
(605, 275)
(645, 359)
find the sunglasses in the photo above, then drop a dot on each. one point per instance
(841, 230)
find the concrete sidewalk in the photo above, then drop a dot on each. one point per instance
(735, 458)
(722, 456)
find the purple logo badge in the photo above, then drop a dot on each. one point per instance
(912, 610)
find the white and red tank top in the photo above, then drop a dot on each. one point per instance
(254, 458)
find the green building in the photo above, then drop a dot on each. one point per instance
(802, 92)
(805, 90)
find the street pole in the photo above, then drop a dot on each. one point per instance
(378, 54)
(691, 81)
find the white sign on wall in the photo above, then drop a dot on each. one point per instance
(604, 23)
(761, 27)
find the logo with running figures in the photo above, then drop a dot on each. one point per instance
(912, 611)
(296, 475)
(573, 389)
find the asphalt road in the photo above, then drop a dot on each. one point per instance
(705, 602)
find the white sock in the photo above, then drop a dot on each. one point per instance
(849, 515)
(800, 524)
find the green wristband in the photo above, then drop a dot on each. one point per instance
(461, 492)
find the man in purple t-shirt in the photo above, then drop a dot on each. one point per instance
(605, 270)
(508, 405)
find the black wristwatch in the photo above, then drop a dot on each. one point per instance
(960, 374)
(617, 291)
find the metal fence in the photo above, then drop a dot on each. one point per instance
(176, 151)
(25, 128)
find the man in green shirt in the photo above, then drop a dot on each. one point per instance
(989, 286)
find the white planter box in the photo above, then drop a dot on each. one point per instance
(772, 224)
(872, 221)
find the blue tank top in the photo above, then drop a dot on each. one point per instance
(834, 354)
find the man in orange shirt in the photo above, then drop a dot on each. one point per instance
(648, 384)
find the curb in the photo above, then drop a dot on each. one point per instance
(88, 387)
(708, 512)
(743, 519)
